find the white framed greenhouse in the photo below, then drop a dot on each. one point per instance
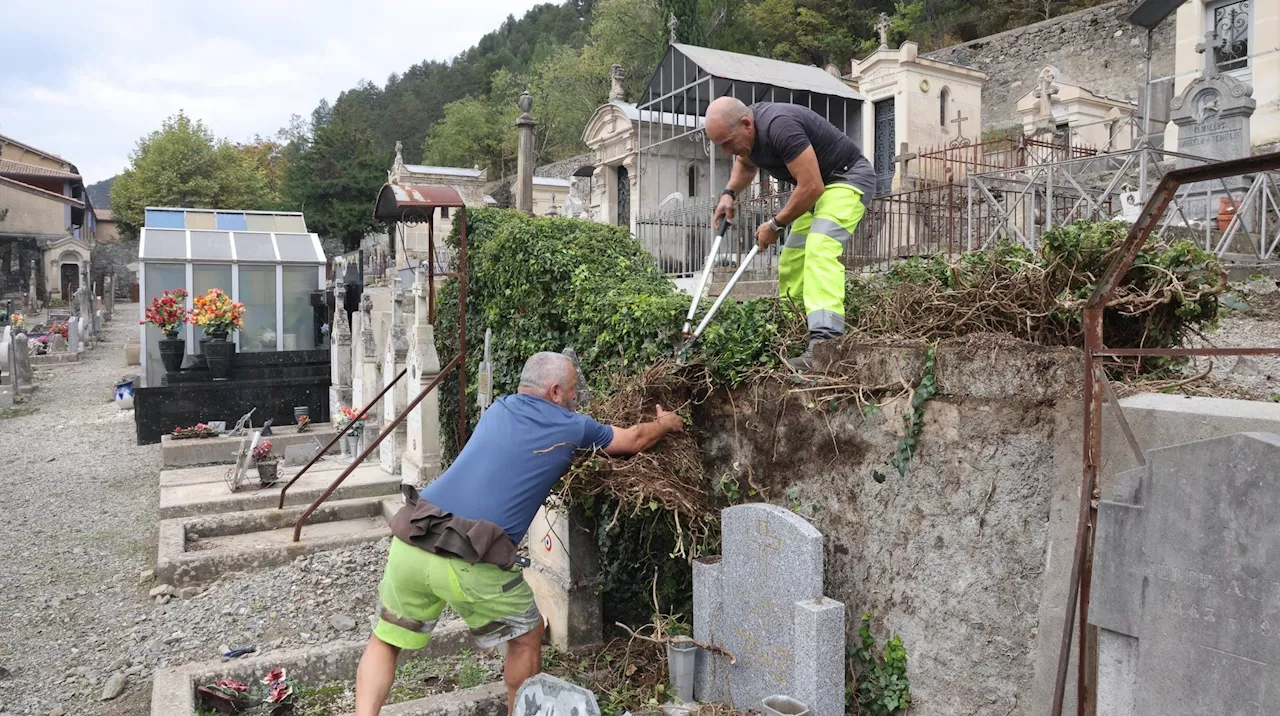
(267, 260)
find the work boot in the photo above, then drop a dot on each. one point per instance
(804, 361)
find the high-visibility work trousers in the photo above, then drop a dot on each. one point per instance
(809, 269)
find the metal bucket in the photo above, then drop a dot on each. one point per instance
(682, 655)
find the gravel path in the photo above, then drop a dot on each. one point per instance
(1254, 323)
(79, 524)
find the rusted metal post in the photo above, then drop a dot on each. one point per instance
(336, 438)
(297, 526)
(1086, 693)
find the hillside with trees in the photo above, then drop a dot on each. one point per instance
(460, 112)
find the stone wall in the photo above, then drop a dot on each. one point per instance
(953, 556)
(1095, 48)
(110, 258)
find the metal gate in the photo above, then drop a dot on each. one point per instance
(624, 197)
(884, 148)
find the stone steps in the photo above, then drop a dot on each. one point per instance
(203, 490)
(198, 549)
(222, 450)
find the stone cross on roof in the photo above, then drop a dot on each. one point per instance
(1045, 90)
(882, 27)
(1211, 43)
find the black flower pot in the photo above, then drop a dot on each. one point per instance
(268, 472)
(218, 353)
(172, 350)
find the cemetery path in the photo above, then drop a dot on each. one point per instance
(80, 514)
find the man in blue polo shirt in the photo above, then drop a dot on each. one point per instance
(456, 544)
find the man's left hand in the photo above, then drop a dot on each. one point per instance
(765, 235)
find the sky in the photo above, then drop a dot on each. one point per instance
(85, 79)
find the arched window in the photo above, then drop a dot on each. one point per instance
(692, 173)
(944, 99)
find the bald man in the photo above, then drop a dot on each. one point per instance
(832, 183)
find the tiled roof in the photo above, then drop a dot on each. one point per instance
(10, 168)
(14, 183)
(10, 140)
(104, 215)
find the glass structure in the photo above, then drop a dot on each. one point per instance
(267, 260)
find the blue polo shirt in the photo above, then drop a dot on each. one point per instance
(521, 446)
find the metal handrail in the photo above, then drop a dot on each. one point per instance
(359, 416)
(1095, 348)
(387, 430)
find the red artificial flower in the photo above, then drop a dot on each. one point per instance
(232, 685)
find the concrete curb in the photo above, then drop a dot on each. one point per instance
(365, 482)
(177, 566)
(222, 450)
(173, 689)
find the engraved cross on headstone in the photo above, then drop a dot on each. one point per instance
(1211, 43)
(959, 122)
(765, 542)
(882, 27)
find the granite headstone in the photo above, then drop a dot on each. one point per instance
(763, 603)
(23, 376)
(1213, 111)
(1186, 587)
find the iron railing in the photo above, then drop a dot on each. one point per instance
(1096, 387)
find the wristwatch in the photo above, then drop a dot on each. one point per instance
(773, 221)
(732, 194)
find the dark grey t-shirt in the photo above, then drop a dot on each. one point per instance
(784, 131)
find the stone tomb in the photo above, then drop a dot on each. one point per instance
(763, 603)
(1186, 587)
(1213, 112)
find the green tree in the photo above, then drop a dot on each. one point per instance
(567, 88)
(184, 164)
(473, 132)
(335, 177)
(689, 27)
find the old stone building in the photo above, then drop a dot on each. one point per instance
(47, 224)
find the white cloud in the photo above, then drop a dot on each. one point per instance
(87, 82)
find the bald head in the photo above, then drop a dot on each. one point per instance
(731, 126)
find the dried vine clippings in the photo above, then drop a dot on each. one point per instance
(548, 284)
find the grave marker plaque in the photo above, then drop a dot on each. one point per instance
(763, 603)
(1186, 587)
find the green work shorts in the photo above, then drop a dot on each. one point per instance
(496, 603)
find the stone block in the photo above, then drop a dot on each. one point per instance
(1184, 590)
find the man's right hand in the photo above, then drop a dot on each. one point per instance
(724, 209)
(670, 420)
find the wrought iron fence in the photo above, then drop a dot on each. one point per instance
(956, 161)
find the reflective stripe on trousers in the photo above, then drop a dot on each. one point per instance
(809, 269)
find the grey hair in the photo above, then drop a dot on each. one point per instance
(544, 370)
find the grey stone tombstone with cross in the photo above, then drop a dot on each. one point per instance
(1186, 587)
(763, 603)
(1213, 112)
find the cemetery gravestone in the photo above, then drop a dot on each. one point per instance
(23, 377)
(421, 458)
(545, 695)
(295, 455)
(763, 603)
(73, 335)
(1186, 588)
(1213, 112)
(58, 344)
(395, 351)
